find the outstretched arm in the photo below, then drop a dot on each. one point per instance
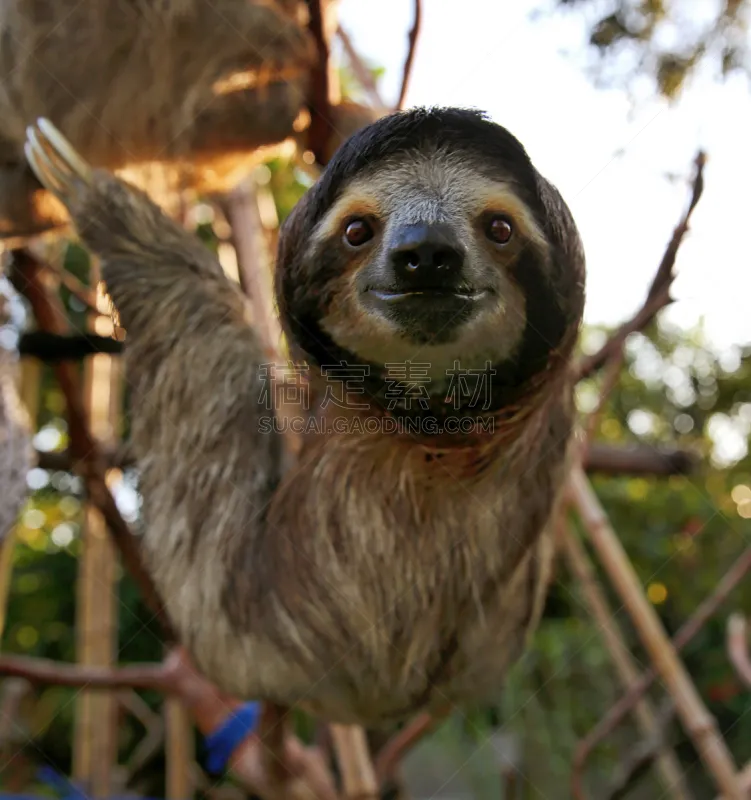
(192, 362)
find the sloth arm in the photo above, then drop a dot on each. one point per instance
(192, 356)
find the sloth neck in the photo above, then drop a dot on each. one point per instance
(433, 425)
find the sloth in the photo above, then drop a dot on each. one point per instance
(430, 286)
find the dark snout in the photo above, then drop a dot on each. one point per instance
(423, 281)
(426, 257)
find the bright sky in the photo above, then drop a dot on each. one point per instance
(489, 55)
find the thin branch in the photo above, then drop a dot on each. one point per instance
(362, 73)
(598, 458)
(658, 295)
(697, 721)
(609, 382)
(63, 461)
(626, 668)
(56, 673)
(52, 348)
(636, 764)
(738, 647)
(273, 731)
(745, 779)
(707, 609)
(305, 777)
(321, 127)
(353, 756)
(86, 296)
(638, 460)
(414, 35)
(396, 748)
(240, 208)
(28, 278)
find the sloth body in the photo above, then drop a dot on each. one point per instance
(388, 571)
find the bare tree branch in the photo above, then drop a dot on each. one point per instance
(27, 274)
(598, 458)
(56, 673)
(638, 460)
(82, 293)
(738, 647)
(707, 609)
(394, 751)
(414, 35)
(362, 73)
(353, 757)
(321, 123)
(643, 755)
(658, 295)
(650, 723)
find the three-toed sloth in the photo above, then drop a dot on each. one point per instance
(431, 288)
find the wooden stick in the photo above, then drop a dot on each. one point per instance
(582, 569)
(95, 731)
(414, 35)
(707, 609)
(253, 261)
(738, 647)
(358, 776)
(697, 721)
(179, 750)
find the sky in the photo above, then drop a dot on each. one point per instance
(490, 55)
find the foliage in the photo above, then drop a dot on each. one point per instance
(667, 40)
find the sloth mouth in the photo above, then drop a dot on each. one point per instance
(428, 292)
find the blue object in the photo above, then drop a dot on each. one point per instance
(59, 782)
(223, 741)
(220, 745)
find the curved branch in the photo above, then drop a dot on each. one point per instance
(397, 747)
(409, 61)
(658, 295)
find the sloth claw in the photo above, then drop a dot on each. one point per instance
(56, 164)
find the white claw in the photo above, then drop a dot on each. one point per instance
(48, 174)
(54, 161)
(64, 149)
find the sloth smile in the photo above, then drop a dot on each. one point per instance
(428, 293)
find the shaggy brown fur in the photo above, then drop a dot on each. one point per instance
(386, 572)
(133, 81)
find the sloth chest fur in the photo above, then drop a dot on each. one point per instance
(384, 581)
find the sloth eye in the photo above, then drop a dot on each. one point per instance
(499, 229)
(358, 232)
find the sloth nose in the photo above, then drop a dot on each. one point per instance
(426, 256)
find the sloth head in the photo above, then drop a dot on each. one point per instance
(431, 238)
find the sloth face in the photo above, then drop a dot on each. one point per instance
(427, 244)
(431, 237)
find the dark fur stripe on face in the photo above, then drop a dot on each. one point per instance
(553, 287)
